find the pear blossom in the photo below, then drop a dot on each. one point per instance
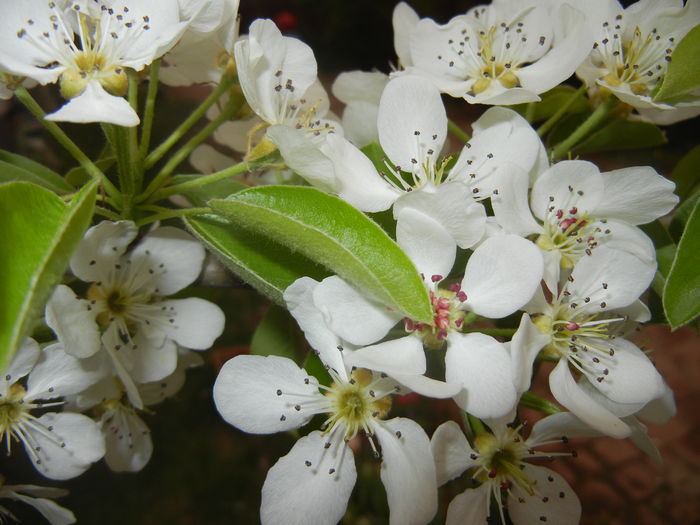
(497, 460)
(579, 322)
(205, 51)
(37, 497)
(263, 395)
(632, 50)
(38, 40)
(126, 314)
(61, 445)
(507, 52)
(574, 209)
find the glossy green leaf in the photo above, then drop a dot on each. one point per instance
(200, 195)
(40, 233)
(682, 214)
(665, 252)
(551, 101)
(686, 174)
(535, 402)
(681, 296)
(622, 134)
(328, 230)
(683, 73)
(266, 265)
(278, 334)
(18, 168)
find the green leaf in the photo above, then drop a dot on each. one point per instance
(40, 233)
(268, 266)
(683, 73)
(375, 153)
(622, 134)
(665, 251)
(200, 195)
(278, 334)
(18, 168)
(328, 230)
(551, 101)
(686, 174)
(681, 296)
(682, 214)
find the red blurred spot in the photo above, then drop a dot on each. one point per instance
(408, 399)
(286, 21)
(220, 355)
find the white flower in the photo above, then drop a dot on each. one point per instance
(534, 494)
(205, 51)
(126, 311)
(632, 50)
(503, 53)
(579, 322)
(263, 395)
(578, 209)
(60, 445)
(36, 497)
(37, 41)
(360, 91)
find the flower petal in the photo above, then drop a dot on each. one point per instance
(152, 361)
(127, 440)
(259, 394)
(100, 248)
(562, 182)
(22, 363)
(58, 374)
(429, 246)
(197, 323)
(471, 506)
(524, 347)
(73, 320)
(311, 485)
(52, 511)
(451, 452)
(397, 356)
(554, 500)
(96, 105)
(408, 471)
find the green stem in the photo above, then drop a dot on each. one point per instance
(183, 128)
(559, 113)
(25, 98)
(149, 108)
(171, 214)
(470, 318)
(232, 171)
(457, 131)
(493, 332)
(584, 129)
(530, 400)
(182, 154)
(106, 213)
(128, 164)
(530, 111)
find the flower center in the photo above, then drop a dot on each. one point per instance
(12, 410)
(495, 65)
(447, 315)
(500, 460)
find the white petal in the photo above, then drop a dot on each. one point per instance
(355, 86)
(411, 104)
(471, 506)
(502, 275)
(75, 443)
(568, 393)
(427, 386)
(558, 426)
(73, 320)
(397, 356)
(451, 452)
(524, 347)
(52, 511)
(408, 471)
(351, 315)
(299, 299)
(660, 410)
(553, 499)
(510, 205)
(100, 248)
(127, 440)
(636, 195)
(174, 255)
(152, 362)
(197, 322)
(60, 374)
(631, 239)
(310, 485)
(22, 363)
(96, 105)
(642, 440)
(360, 123)
(452, 206)
(246, 394)
(579, 175)
(156, 392)
(483, 367)
(429, 246)
(403, 21)
(122, 358)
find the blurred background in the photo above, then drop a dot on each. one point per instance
(206, 472)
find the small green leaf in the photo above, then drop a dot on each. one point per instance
(622, 134)
(681, 296)
(686, 174)
(268, 266)
(328, 230)
(200, 195)
(551, 101)
(18, 168)
(278, 334)
(683, 73)
(535, 402)
(40, 233)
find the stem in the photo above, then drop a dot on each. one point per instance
(530, 400)
(530, 111)
(559, 113)
(183, 128)
(149, 108)
(171, 214)
(106, 213)
(457, 131)
(232, 171)
(584, 129)
(128, 164)
(181, 154)
(25, 98)
(493, 332)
